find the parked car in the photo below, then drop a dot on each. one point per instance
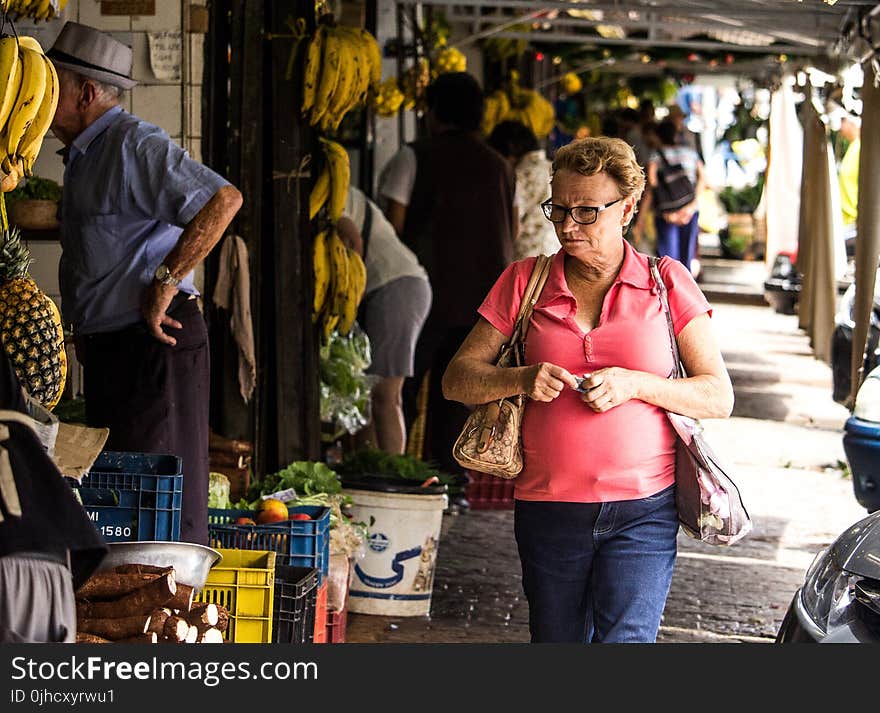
(839, 601)
(861, 442)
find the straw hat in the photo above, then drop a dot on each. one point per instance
(93, 54)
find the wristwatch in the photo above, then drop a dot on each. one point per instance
(163, 275)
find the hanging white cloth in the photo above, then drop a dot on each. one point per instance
(783, 176)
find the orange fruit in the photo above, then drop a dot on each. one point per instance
(271, 510)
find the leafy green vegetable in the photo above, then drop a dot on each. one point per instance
(218, 491)
(307, 478)
(369, 461)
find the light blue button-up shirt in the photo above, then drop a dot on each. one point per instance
(129, 190)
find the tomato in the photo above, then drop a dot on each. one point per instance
(299, 516)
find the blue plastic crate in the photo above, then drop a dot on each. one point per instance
(134, 496)
(298, 543)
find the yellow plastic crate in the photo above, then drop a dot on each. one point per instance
(244, 583)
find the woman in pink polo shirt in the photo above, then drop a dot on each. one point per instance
(595, 517)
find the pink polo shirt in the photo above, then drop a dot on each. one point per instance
(571, 453)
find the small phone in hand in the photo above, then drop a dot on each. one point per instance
(581, 383)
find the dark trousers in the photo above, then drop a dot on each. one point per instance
(444, 419)
(677, 241)
(154, 399)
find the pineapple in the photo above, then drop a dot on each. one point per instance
(30, 325)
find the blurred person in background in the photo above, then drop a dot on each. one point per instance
(450, 197)
(683, 135)
(848, 171)
(393, 311)
(632, 132)
(676, 231)
(519, 146)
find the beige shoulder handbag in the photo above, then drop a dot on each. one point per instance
(490, 440)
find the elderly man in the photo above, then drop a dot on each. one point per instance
(137, 215)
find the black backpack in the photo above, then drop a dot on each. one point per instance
(674, 189)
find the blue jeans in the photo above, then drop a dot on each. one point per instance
(597, 572)
(677, 241)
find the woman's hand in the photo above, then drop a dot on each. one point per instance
(682, 216)
(609, 387)
(545, 381)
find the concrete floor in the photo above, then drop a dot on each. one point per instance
(784, 442)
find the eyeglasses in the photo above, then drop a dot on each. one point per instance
(583, 214)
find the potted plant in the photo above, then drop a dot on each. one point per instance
(33, 205)
(739, 203)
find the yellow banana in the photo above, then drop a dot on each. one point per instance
(339, 256)
(340, 176)
(356, 39)
(375, 55)
(329, 324)
(9, 69)
(27, 103)
(30, 43)
(330, 59)
(32, 139)
(340, 100)
(357, 282)
(321, 268)
(312, 69)
(320, 192)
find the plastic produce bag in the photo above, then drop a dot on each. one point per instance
(345, 389)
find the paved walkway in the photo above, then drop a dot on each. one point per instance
(784, 440)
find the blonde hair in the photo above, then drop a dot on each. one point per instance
(598, 154)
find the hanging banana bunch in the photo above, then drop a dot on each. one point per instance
(388, 98)
(33, 9)
(331, 188)
(342, 66)
(343, 69)
(517, 103)
(450, 59)
(28, 98)
(339, 272)
(413, 82)
(340, 283)
(571, 83)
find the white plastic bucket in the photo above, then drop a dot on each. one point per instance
(396, 575)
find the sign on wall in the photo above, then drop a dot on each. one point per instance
(128, 7)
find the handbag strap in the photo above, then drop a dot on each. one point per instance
(532, 293)
(663, 158)
(678, 371)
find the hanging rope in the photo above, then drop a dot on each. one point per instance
(302, 171)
